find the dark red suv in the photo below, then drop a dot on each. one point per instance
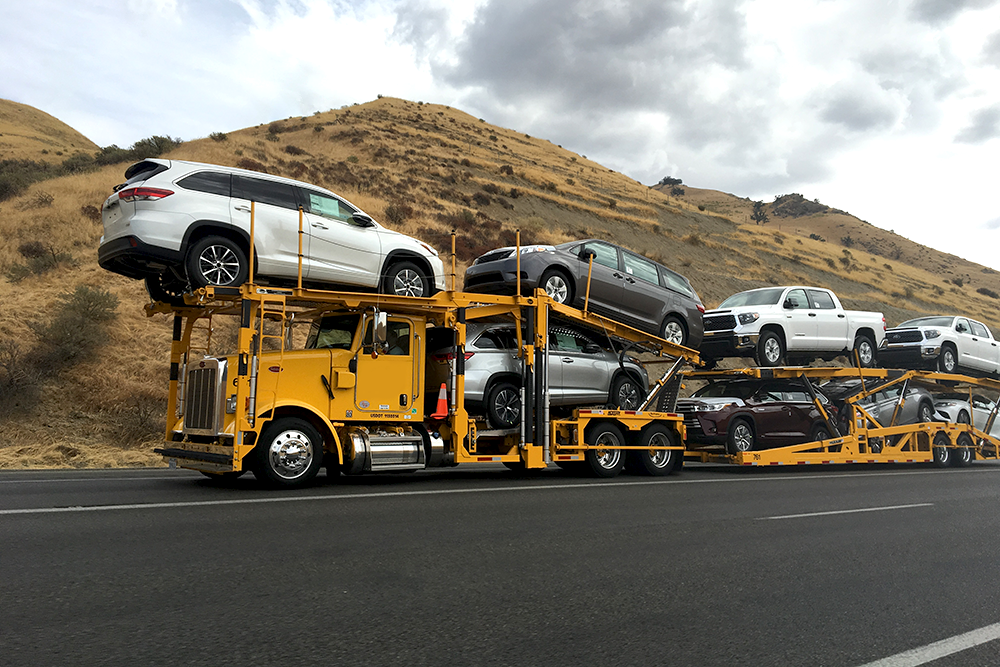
(745, 414)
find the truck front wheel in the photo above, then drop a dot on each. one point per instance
(770, 349)
(289, 453)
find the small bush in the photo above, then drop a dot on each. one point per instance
(507, 169)
(491, 188)
(570, 181)
(481, 199)
(398, 213)
(514, 193)
(251, 164)
(465, 162)
(988, 292)
(78, 326)
(676, 192)
(817, 237)
(612, 204)
(270, 136)
(701, 207)
(318, 128)
(32, 249)
(693, 239)
(218, 136)
(888, 267)
(847, 241)
(91, 213)
(353, 159)
(294, 150)
(832, 264)
(40, 199)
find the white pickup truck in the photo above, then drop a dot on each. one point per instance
(778, 324)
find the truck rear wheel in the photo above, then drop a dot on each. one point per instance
(941, 450)
(603, 462)
(865, 347)
(963, 454)
(289, 453)
(654, 462)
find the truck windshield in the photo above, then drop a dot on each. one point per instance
(333, 332)
(757, 297)
(928, 322)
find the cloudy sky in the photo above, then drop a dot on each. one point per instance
(889, 109)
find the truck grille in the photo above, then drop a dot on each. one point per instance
(911, 336)
(200, 402)
(720, 322)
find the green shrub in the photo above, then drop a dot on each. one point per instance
(78, 326)
(218, 136)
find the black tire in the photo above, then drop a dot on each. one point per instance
(557, 285)
(626, 393)
(604, 462)
(655, 463)
(741, 437)
(167, 288)
(942, 452)
(289, 453)
(770, 349)
(503, 405)
(406, 279)
(216, 260)
(963, 418)
(964, 453)
(925, 412)
(948, 359)
(865, 347)
(674, 330)
(820, 432)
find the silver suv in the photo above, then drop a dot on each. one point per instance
(581, 372)
(183, 225)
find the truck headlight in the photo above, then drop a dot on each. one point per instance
(929, 334)
(748, 318)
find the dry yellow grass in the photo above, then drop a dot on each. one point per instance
(29, 134)
(107, 410)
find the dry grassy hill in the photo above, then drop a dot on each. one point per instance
(29, 134)
(423, 169)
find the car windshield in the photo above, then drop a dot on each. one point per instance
(736, 389)
(333, 332)
(927, 322)
(757, 297)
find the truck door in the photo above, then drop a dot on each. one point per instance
(388, 381)
(831, 322)
(986, 348)
(800, 329)
(966, 344)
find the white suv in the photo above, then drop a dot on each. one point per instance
(183, 225)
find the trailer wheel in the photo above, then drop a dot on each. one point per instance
(653, 462)
(289, 454)
(604, 462)
(963, 454)
(741, 437)
(941, 450)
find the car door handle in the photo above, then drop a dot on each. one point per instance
(241, 207)
(812, 314)
(631, 280)
(319, 225)
(618, 275)
(841, 315)
(567, 360)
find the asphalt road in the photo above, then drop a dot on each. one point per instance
(473, 566)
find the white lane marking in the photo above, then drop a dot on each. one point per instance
(503, 489)
(940, 649)
(863, 509)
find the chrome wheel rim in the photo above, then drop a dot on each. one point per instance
(557, 288)
(608, 458)
(219, 265)
(865, 352)
(660, 458)
(507, 406)
(743, 438)
(673, 332)
(925, 414)
(290, 454)
(772, 350)
(948, 361)
(408, 283)
(821, 434)
(628, 396)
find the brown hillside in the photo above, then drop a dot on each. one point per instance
(423, 169)
(29, 134)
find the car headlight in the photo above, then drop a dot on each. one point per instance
(929, 334)
(428, 248)
(536, 248)
(748, 318)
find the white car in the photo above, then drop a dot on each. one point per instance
(954, 407)
(943, 342)
(182, 225)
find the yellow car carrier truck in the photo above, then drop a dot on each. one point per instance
(353, 397)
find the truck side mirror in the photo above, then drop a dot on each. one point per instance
(361, 220)
(788, 304)
(381, 325)
(587, 255)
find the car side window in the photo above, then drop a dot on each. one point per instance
(397, 338)
(267, 192)
(978, 329)
(326, 206)
(564, 341)
(212, 182)
(962, 325)
(820, 300)
(604, 254)
(981, 403)
(671, 280)
(641, 268)
(797, 397)
(797, 298)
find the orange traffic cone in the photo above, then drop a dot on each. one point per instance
(442, 406)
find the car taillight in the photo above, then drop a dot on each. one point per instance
(143, 194)
(441, 358)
